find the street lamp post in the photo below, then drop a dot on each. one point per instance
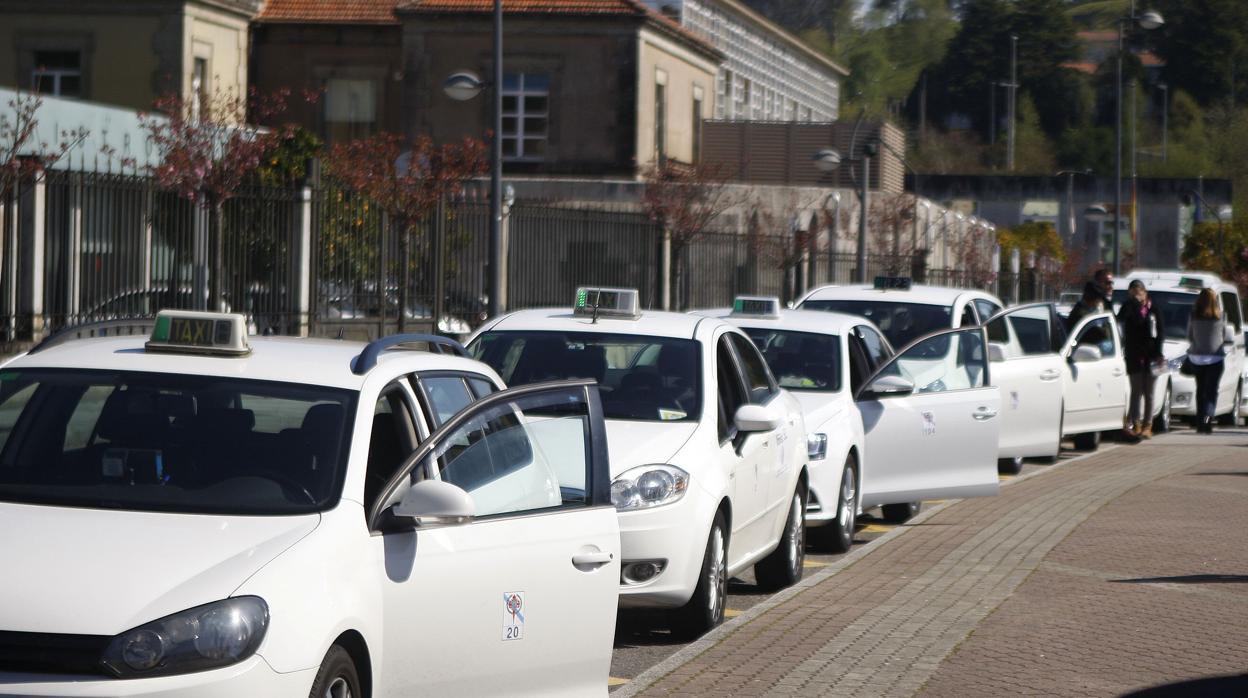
(1070, 198)
(828, 160)
(1013, 104)
(1147, 21)
(1165, 119)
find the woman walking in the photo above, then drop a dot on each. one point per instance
(1206, 334)
(1142, 338)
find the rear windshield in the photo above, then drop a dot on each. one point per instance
(639, 377)
(901, 322)
(800, 360)
(170, 442)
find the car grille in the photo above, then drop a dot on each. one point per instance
(50, 653)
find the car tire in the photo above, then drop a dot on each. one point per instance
(1088, 442)
(1010, 466)
(784, 566)
(1061, 424)
(706, 609)
(838, 536)
(1162, 422)
(900, 513)
(338, 677)
(1231, 419)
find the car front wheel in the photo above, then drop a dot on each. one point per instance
(706, 609)
(1010, 466)
(1232, 418)
(338, 677)
(838, 536)
(1089, 441)
(900, 513)
(783, 567)
(1161, 423)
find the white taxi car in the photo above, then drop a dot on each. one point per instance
(1174, 293)
(206, 514)
(708, 453)
(826, 360)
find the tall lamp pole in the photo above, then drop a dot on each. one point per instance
(1070, 198)
(1148, 20)
(1013, 104)
(827, 161)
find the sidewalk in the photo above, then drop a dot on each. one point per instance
(1104, 575)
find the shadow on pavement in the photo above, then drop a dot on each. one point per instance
(1189, 579)
(1236, 473)
(1197, 688)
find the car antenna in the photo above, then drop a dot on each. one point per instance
(340, 329)
(597, 299)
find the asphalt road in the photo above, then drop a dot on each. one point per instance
(643, 639)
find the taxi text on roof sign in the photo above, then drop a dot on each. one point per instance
(607, 302)
(756, 306)
(192, 332)
(892, 283)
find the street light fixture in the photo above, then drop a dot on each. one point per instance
(827, 161)
(1149, 20)
(463, 86)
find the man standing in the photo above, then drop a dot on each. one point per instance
(1103, 279)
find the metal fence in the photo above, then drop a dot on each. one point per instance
(80, 247)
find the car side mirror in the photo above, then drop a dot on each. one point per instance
(996, 352)
(433, 503)
(752, 419)
(887, 386)
(1086, 353)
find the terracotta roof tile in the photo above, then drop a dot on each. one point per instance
(329, 11)
(568, 7)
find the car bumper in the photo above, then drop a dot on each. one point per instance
(675, 534)
(825, 492)
(253, 677)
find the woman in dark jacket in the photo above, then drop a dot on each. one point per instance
(1142, 338)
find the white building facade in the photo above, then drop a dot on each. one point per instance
(768, 74)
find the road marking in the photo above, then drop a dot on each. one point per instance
(812, 563)
(876, 528)
(616, 681)
(731, 613)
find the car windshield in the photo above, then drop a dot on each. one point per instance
(170, 442)
(800, 360)
(901, 322)
(639, 377)
(1176, 309)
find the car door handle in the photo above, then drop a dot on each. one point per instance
(1118, 372)
(983, 413)
(1050, 375)
(591, 560)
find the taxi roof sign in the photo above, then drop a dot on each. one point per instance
(1192, 282)
(607, 302)
(756, 306)
(194, 332)
(892, 283)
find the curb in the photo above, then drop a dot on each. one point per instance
(691, 651)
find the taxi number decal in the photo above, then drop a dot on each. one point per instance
(513, 615)
(929, 424)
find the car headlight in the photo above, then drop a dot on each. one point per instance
(1175, 364)
(817, 446)
(205, 637)
(648, 486)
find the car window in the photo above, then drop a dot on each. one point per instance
(900, 321)
(758, 378)
(986, 308)
(639, 377)
(1033, 328)
(730, 391)
(392, 437)
(968, 316)
(1098, 333)
(946, 362)
(527, 454)
(481, 387)
(171, 442)
(446, 395)
(1230, 307)
(800, 360)
(877, 349)
(859, 365)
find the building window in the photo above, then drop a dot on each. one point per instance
(660, 122)
(350, 109)
(697, 125)
(723, 105)
(199, 87)
(526, 115)
(57, 73)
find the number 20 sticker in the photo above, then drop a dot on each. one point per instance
(513, 615)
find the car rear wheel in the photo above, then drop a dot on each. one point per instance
(784, 566)
(900, 513)
(1010, 466)
(1161, 423)
(838, 536)
(706, 609)
(338, 677)
(1089, 441)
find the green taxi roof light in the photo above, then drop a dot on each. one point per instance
(194, 332)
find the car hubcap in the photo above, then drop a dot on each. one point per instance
(848, 498)
(338, 688)
(796, 529)
(1165, 410)
(717, 575)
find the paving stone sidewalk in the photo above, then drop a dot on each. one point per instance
(996, 596)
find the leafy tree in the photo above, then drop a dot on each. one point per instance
(21, 154)
(1205, 44)
(1220, 249)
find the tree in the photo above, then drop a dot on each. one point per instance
(1205, 45)
(21, 153)
(683, 200)
(406, 179)
(208, 153)
(1221, 249)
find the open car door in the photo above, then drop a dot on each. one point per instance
(930, 418)
(1095, 377)
(1025, 347)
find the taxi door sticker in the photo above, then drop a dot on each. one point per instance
(1014, 400)
(513, 615)
(929, 424)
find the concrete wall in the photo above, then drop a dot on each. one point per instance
(221, 38)
(683, 72)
